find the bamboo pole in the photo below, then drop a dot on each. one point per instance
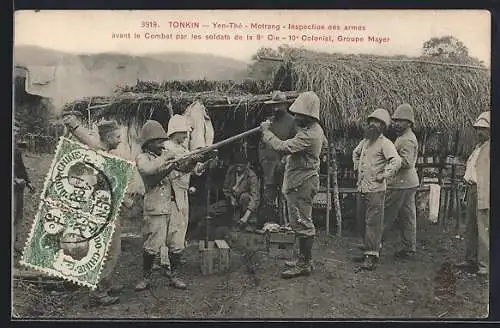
(328, 197)
(170, 109)
(336, 201)
(454, 185)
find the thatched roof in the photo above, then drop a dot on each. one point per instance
(445, 97)
(145, 98)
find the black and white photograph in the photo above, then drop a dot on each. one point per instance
(251, 164)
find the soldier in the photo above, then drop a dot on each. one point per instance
(477, 177)
(271, 161)
(301, 178)
(107, 139)
(401, 190)
(154, 166)
(177, 132)
(242, 190)
(376, 160)
(21, 180)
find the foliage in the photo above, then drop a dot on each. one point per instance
(448, 48)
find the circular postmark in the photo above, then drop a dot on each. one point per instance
(79, 184)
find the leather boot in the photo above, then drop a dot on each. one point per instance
(305, 248)
(300, 256)
(302, 268)
(173, 279)
(176, 260)
(147, 267)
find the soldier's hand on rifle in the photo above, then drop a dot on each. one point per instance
(264, 126)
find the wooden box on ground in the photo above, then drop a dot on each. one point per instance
(215, 258)
(280, 238)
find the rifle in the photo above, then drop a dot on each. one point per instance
(207, 150)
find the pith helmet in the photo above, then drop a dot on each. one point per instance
(404, 112)
(307, 103)
(178, 123)
(381, 115)
(152, 130)
(277, 97)
(483, 120)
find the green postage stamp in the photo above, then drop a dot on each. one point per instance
(75, 222)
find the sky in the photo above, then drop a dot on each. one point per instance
(400, 32)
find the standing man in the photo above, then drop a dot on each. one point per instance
(21, 180)
(155, 167)
(401, 190)
(271, 161)
(301, 179)
(177, 134)
(107, 139)
(376, 160)
(477, 177)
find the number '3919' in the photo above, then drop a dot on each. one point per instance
(149, 24)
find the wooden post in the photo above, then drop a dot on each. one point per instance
(454, 185)
(328, 197)
(336, 201)
(170, 108)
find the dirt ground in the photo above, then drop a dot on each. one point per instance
(253, 288)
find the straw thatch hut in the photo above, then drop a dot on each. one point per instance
(446, 97)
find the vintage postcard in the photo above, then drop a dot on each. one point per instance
(251, 164)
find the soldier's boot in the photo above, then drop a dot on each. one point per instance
(147, 262)
(303, 244)
(176, 260)
(156, 263)
(303, 268)
(173, 279)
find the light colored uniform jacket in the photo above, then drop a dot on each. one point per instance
(371, 160)
(406, 177)
(304, 151)
(158, 190)
(482, 175)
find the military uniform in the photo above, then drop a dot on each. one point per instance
(245, 189)
(271, 161)
(402, 188)
(301, 178)
(376, 161)
(477, 177)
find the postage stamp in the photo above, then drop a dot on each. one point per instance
(76, 217)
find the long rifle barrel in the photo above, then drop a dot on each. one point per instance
(217, 145)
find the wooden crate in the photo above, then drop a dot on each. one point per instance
(215, 258)
(281, 237)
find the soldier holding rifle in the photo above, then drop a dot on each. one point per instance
(301, 179)
(155, 166)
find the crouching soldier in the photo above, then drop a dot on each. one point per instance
(154, 166)
(376, 160)
(301, 179)
(241, 188)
